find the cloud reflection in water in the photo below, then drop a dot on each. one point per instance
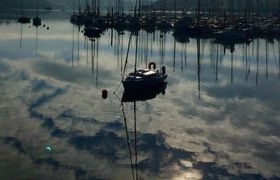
(231, 132)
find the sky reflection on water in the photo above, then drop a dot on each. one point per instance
(223, 124)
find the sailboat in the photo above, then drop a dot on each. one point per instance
(23, 19)
(143, 79)
(37, 20)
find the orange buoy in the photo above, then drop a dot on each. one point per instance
(104, 94)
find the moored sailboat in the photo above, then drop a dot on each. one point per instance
(145, 78)
(36, 20)
(23, 19)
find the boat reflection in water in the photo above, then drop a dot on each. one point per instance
(132, 137)
(147, 94)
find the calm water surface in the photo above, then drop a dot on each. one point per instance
(217, 118)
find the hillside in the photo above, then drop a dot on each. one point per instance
(55, 4)
(239, 5)
(30, 4)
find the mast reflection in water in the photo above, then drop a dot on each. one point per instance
(133, 97)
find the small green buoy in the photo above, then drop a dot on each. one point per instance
(49, 149)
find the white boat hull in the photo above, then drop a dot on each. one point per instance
(144, 83)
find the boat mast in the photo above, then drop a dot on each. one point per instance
(198, 11)
(258, 8)
(21, 7)
(37, 6)
(36, 43)
(135, 140)
(161, 12)
(278, 8)
(232, 7)
(246, 11)
(175, 8)
(20, 41)
(88, 7)
(258, 58)
(73, 43)
(174, 55)
(231, 64)
(128, 141)
(127, 53)
(139, 10)
(92, 5)
(98, 7)
(74, 7)
(198, 66)
(136, 54)
(129, 42)
(79, 7)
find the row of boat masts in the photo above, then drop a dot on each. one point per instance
(229, 27)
